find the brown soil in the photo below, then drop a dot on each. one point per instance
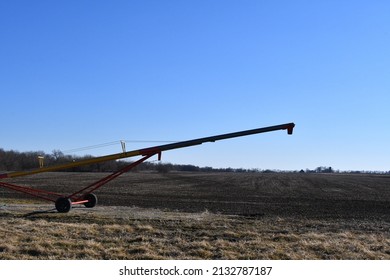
(305, 195)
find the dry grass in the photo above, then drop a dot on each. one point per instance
(260, 216)
(135, 233)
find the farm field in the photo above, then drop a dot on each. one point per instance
(202, 216)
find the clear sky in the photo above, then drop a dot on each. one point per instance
(80, 73)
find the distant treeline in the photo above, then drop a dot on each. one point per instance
(16, 161)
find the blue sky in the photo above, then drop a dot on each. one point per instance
(80, 73)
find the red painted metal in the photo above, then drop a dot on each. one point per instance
(79, 195)
(45, 195)
(79, 202)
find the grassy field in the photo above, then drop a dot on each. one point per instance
(203, 216)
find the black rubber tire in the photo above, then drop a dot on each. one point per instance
(63, 205)
(92, 200)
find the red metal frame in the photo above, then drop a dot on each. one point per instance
(77, 197)
(64, 203)
(46, 195)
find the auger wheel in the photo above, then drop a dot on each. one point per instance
(63, 204)
(92, 200)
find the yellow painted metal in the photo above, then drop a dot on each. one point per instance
(153, 150)
(75, 164)
(41, 161)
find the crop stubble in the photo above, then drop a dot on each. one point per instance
(204, 216)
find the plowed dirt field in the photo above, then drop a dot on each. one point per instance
(308, 195)
(204, 215)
